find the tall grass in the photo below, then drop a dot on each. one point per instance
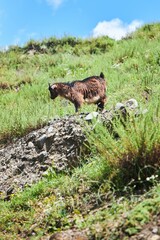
(135, 155)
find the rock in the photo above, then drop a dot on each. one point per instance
(154, 237)
(30, 145)
(59, 144)
(120, 111)
(131, 103)
(119, 106)
(50, 129)
(41, 156)
(25, 160)
(40, 141)
(155, 230)
(91, 116)
(69, 235)
(31, 136)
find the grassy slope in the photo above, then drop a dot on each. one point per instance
(87, 197)
(131, 67)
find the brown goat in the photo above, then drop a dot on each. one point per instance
(89, 90)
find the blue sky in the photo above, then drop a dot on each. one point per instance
(22, 20)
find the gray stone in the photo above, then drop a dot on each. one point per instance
(40, 141)
(155, 230)
(119, 106)
(50, 129)
(131, 103)
(91, 116)
(30, 145)
(154, 237)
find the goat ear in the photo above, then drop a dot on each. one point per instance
(49, 86)
(53, 86)
(101, 75)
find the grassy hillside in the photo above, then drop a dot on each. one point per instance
(131, 67)
(116, 191)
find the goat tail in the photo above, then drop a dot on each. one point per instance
(101, 75)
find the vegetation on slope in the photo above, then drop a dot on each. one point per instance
(131, 67)
(103, 195)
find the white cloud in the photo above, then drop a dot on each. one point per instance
(115, 28)
(54, 3)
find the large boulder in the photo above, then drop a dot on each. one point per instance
(59, 144)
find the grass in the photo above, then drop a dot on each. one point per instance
(116, 189)
(131, 67)
(60, 202)
(135, 154)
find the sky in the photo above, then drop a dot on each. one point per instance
(23, 20)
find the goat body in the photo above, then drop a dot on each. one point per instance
(89, 90)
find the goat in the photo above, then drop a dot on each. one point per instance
(89, 90)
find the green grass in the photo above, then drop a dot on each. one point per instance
(135, 155)
(80, 200)
(130, 66)
(116, 189)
